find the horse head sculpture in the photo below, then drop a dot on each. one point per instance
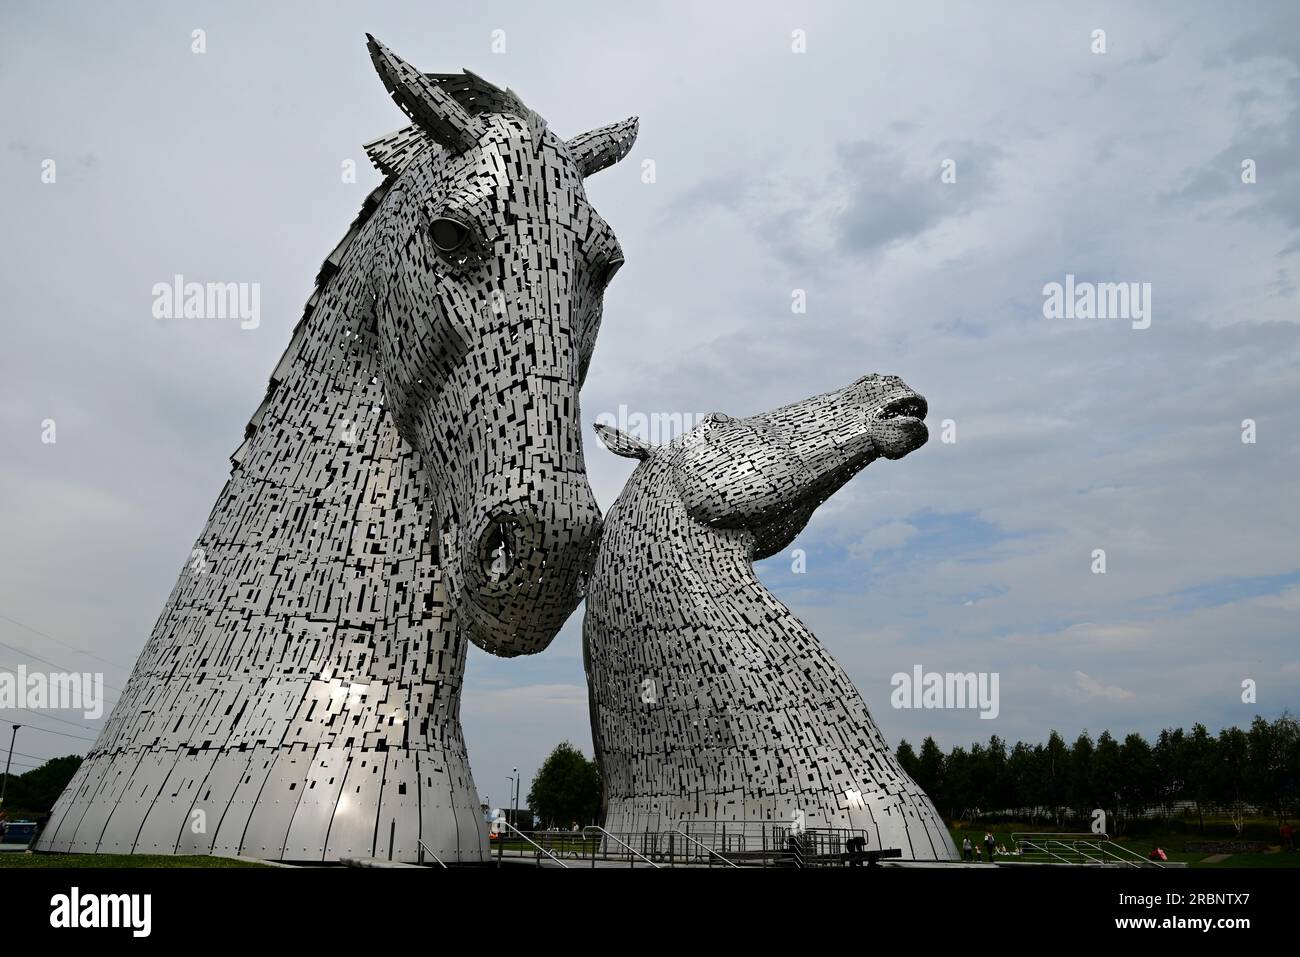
(412, 481)
(711, 702)
(489, 272)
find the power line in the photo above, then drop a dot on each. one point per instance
(55, 717)
(35, 757)
(57, 641)
(30, 654)
(47, 661)
(37, 727)
(20, 764)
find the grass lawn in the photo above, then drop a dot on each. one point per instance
(18, 859)
(1268, 859)
(559, 848)
(1172, 842)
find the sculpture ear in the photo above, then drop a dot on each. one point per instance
(431, 108)
(620, 443)
(604, 146)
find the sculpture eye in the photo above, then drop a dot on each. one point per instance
(449, 235)
(611, 267)
(720, 418)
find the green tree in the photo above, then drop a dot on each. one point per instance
(929, 770)
(567, 789)
(1169, 761)
(1137, 783)
(1055, 771)
(1200, 757)
(1271, 772)
(1001, 795)
(1106, 777)
(955, 794)
(1022, 769)
(1227, 785)
(907, 759)
(1083, 791)
(981, 782)
(36, 791)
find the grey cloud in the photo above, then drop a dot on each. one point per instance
(891, 201)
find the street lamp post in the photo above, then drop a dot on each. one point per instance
(5, 785)
(514, 796)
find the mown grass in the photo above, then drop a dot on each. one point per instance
(1171, 841)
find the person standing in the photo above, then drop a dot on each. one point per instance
(966, 848)
(989, 845)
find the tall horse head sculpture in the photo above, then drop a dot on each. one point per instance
(489, 272)
(412, 482)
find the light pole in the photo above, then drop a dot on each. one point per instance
(514, 796)
(5, 785)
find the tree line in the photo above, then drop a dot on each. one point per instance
(1256, 771)
(36, 791)
(1236, 772)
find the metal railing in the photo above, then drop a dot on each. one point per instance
(631, 849)
(1079, 849)
(771, 843)
(501, 846)
(820, 846)
(425, 849)
(727, 861)
(1119, 854)
(693, 843)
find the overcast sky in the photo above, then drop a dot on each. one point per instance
(774, 171)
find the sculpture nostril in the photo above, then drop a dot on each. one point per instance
(498, 549)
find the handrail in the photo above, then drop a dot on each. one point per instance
(796, 848)
(1104, 854)
(1107, 851)
(1078, 847)
(1039, 839)
(502, 822)
(597, 827)
(726, 861)
(425, 849)
(1042, 849)
(1117, 851)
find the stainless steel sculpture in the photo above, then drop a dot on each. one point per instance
(413, 480)
(710, 701)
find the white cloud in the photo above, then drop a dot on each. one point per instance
(882, 538)
(1090, 687)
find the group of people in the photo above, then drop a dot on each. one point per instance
(971, 852)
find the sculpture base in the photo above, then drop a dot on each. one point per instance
(309, 804)
(906, 822)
